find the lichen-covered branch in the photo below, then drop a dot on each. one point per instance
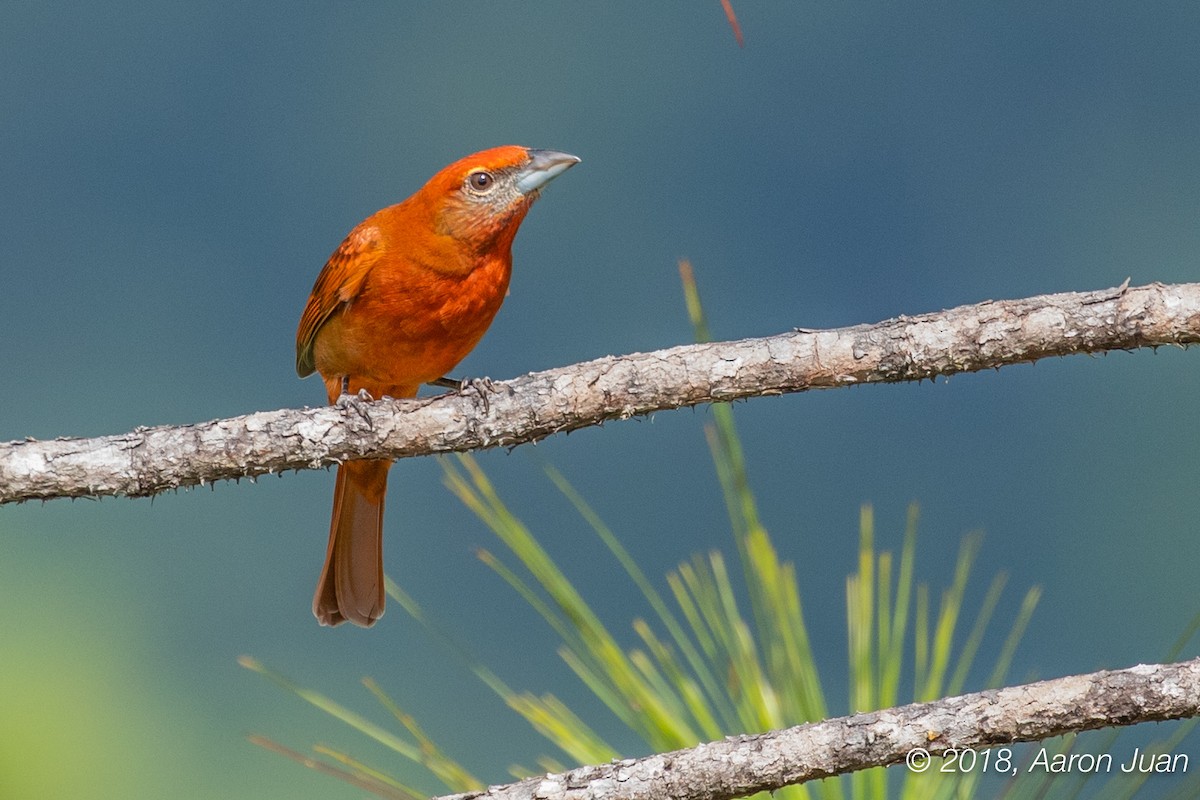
(508, 413)
(743, 765)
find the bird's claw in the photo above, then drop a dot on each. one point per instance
(355, 402)
(481, 388)
(361, 396)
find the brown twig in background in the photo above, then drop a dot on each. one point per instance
(733, 22)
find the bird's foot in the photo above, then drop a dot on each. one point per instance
(482, 388)
(355, 402)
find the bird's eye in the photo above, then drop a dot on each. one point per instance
(481, 180)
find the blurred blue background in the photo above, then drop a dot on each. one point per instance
(174, 176)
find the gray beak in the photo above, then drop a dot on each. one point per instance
(543, 167)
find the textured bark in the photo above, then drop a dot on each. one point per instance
(508, 413)
(742, 765)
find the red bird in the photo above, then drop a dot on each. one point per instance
(403, 299)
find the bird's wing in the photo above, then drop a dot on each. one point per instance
(340, 282)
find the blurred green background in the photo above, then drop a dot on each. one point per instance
(174, 176)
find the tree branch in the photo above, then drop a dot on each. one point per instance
(742, 765)
(508, 413)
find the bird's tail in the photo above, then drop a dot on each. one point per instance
(351, 584)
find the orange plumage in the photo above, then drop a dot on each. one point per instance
(405, 297)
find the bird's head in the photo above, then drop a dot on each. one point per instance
(481, 199)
